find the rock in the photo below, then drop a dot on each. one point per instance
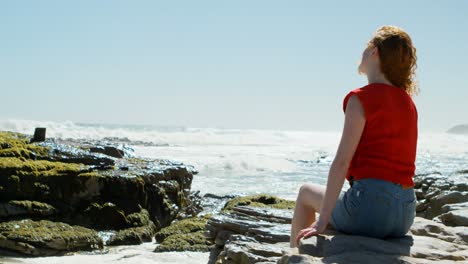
(445, 198)
(185, 235)
(252, 229)
(105, 216)
(247, 225)
(268, 214)
(45, 238)
(213, 204)
(245, 250)
(142, 230)
(133, 235)
(261, 200)
(17, 145)
(435, 192)
(195, 241)
(413, 246)
(299, 259)
(424, 227)
(455, 218)
(359, 257)
(111, 151)
(25, 208)
(72, 154)
(184, 226)
(72, 185)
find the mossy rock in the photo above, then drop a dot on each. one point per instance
(184, 235)
(20, 167)
(21, 208)
(17, 145)
(45, 238)
(105, 216)
(261, 200)
(184, 226)
(195, 241)
(133, 235)
(141, 218)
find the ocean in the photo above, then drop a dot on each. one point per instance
(240, 161)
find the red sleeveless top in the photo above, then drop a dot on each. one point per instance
(387, 149)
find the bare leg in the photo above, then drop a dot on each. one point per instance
(308, 202)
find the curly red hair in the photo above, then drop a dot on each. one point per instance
(397, 57)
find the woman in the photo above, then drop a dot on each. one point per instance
(376, 153)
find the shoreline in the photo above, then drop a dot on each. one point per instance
(140, 254)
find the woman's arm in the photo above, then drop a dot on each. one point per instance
(353, 126)
(354, 123)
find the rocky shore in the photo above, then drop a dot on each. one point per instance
(259, 233)
(58, 197)
(62, 196)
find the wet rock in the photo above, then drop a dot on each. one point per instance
(213, 204)
(72, 154)
(74, 186)
(111, 151)
(45, 238)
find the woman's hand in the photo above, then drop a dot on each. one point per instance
(316, 228)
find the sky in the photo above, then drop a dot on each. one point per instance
(269, 64)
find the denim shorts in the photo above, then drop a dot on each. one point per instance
(375, 208)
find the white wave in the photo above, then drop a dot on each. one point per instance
(173, 135)
(250, 161)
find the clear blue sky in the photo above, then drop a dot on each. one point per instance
(232, 64)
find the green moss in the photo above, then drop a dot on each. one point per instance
(31, 204)
(195, 241)
(16, 166)
(34, 207)
(91, 174)
(139, 219)
(184, 226)
(261, 200)
(41, 186)
(14, 178)
(17, 145)
(133, 235)
(41, 232)
(184, 235)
